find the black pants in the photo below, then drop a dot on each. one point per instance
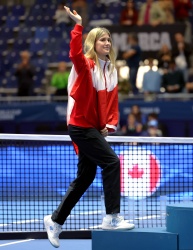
(94, 151)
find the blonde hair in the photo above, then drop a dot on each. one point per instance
(89, 46)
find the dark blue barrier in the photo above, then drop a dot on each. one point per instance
(54, 111)
(176, 116)
(190, 128)
(167, 110)
(33, 111)
(176, 128)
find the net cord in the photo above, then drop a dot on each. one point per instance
(121, 139)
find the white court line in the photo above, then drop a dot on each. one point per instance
(15, 242)
(36, 220)
(91, 212)
(150, 217)
(20, 222)
(86, 213)
(94, 227)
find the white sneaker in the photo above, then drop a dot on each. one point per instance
(116, 222)
(53, 230)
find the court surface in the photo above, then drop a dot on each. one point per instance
(44, 244)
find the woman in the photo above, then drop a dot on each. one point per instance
(92, 113)
(136, 111)
(129, 14)
(132, 128)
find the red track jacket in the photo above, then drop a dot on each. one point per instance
(92, 99)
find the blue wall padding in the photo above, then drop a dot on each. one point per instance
(180, 220)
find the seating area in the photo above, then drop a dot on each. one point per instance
(34, 29)
(46, 42)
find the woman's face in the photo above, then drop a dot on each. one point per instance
(135, 109)
(130, 4)
(62, 67)
(165, 48)
(131, 119)
(103, 46)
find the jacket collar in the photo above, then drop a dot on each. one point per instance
(103, 63)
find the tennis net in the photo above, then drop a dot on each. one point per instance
(36, 170)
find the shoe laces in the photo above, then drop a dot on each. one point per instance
(116, 220)
(56, 229)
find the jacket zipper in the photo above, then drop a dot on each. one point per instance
(105, 75)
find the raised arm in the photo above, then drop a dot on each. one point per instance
(76, 50)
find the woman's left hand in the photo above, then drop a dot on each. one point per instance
(104, 132)
(74, 15)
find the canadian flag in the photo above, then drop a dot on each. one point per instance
(140, 173)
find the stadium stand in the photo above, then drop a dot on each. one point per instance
(32, 27)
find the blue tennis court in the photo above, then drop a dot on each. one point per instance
(31, 244)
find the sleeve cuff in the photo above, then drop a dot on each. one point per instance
(111, 128)
(78, 27)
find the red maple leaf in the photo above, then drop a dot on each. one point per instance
(136, 172)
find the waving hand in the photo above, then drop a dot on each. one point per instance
(74, 15)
